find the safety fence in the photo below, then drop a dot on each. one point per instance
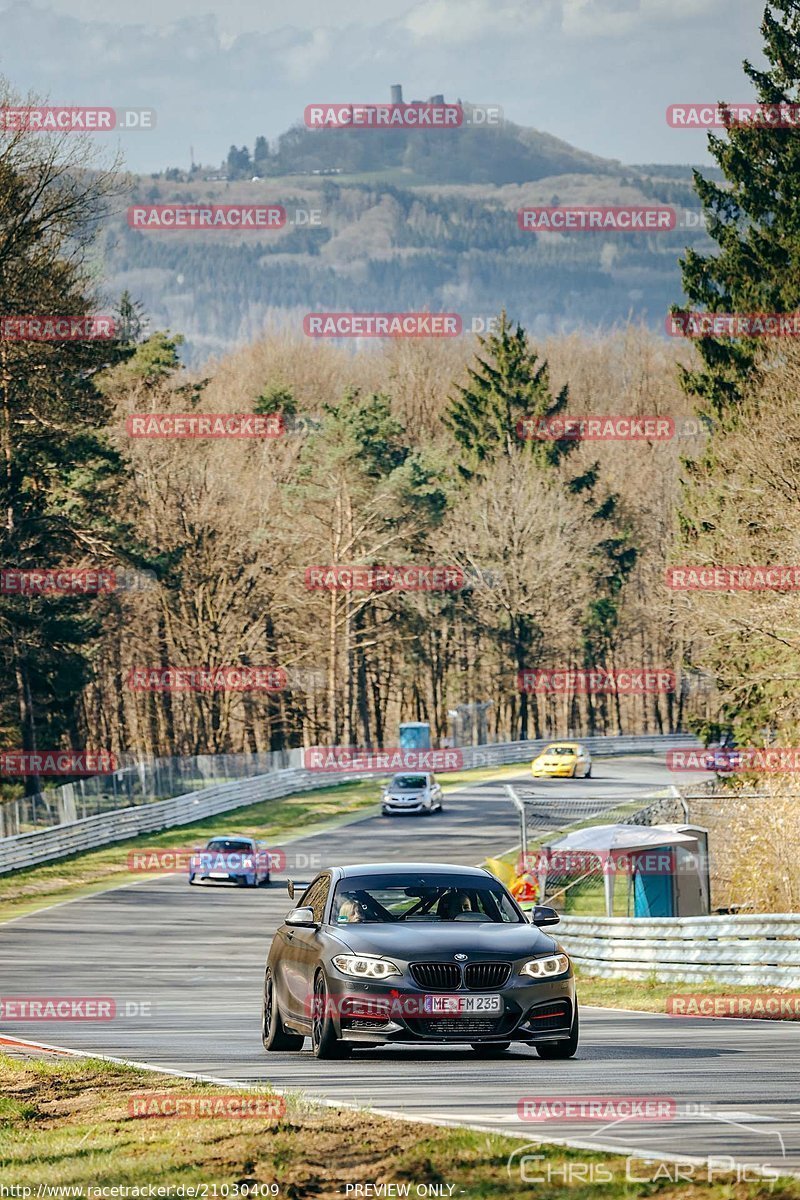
(747, 949)
(69, 834)
(46, 845)
(138, 781)
(545, 817)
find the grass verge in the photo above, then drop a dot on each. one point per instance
(34, 888)
(67, 1123)
(649, 995)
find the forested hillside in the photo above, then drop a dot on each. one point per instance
(389, 239)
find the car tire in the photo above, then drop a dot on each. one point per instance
(191, 880)
(324, 1042)
(490, 1049)
(273, 1034)
(565, 1048)
(588, 774)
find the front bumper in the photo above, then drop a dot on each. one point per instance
(533, 1011)
(564, 771)
(390, 805)
(249, 877)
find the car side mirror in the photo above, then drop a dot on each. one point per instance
(290, 888)
(543, 915)
(303, 917)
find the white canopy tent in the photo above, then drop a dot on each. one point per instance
(605, 840)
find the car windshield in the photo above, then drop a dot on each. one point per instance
(560, 750)
(229, 844)
(386, 899)
(409, 783)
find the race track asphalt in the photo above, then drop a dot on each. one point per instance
(185, 968)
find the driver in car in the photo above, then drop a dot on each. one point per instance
(349, 910)
(453, 903)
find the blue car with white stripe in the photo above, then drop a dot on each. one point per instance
(238, 860)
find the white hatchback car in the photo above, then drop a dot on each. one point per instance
(416, 792)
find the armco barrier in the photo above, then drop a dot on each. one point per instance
(510, 752)
(746, 949)
(46, 845)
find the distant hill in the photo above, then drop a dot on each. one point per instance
(403, 220)
(484, 148)
(505, 153)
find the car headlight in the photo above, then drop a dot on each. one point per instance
(545, 968)
(365, 966)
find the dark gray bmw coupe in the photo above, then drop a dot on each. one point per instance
(416, 952)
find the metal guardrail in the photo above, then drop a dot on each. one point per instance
(47, 845)
(747, 949)
(148, 780)
(142, 780)
(510, 752)
(74, 836)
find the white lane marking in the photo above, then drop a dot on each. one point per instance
(510, 1118)
(724, 1119)
(743, 1116)
(642, 1155)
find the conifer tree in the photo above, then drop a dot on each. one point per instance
(754, 217)
(59, 475)
(507, 384)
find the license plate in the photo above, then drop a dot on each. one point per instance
(457, 1006)
(218, 875)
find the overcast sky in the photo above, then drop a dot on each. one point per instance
(598, 73)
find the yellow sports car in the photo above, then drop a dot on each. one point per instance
(561, 759)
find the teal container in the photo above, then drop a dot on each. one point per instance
(415, 735)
